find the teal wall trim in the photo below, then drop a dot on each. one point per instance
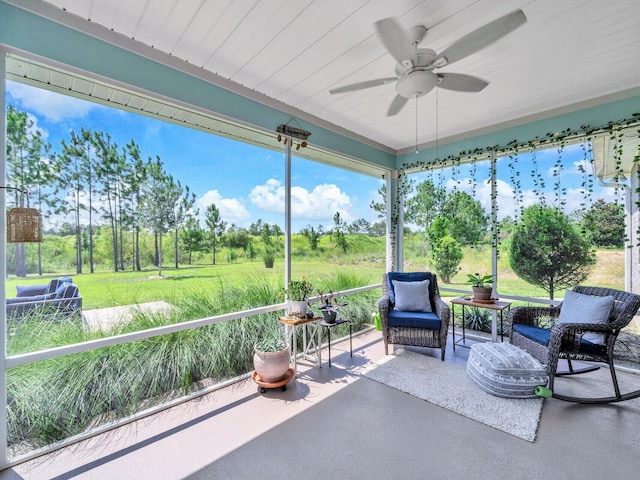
(31, 33)
(594, 117)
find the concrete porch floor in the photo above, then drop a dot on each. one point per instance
(236, 432)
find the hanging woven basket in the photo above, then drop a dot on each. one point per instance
(24, 225)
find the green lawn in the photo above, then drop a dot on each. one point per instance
(104, 289)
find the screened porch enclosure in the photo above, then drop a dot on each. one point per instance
(569, 158)
(480, 175)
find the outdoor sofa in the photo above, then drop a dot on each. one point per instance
(60, 295)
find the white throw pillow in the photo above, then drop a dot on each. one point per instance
(580, 308)
(412, 296)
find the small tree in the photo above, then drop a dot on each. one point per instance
(604, 222)
(250, 251)
(547, 251)
(446, 256)
(191, 236)
(216, 226)
(159, 194)
(446, 251)
(312, 236)
(338, 235)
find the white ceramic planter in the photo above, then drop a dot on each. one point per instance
(298, 308)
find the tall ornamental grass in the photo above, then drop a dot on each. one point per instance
(52, 400)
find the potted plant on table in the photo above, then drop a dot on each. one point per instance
(297, 292)
(271, 355)
(482, 286)
(329, 306)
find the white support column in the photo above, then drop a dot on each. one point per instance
(631, 250)
(393, 263)
(287, 213)
(494, 224)
(494, 244)
(3, 269)
(400, 227)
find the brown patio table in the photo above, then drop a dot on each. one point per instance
(494, 304)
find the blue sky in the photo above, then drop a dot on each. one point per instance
(246, 182)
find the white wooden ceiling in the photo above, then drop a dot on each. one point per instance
(570, 52)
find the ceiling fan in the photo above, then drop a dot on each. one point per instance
(415, 66)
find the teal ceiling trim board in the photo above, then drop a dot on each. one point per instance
(32, 33)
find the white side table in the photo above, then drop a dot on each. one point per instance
(311, 339)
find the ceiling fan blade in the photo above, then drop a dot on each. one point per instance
(396, 105)
(460, 82)
(363, 85)
(482, 37)
(397, 42)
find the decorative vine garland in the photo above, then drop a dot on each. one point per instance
(614, 130)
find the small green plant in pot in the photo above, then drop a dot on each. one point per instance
(271, 355)
(297, 292)
(482, 285)
(329, 306)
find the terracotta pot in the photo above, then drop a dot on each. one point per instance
(271, 366)
(482, 293)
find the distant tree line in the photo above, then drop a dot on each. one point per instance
(91, 176)
(101, 184)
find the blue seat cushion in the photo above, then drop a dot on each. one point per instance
(426, 320)
(411, 277)
(543, 335)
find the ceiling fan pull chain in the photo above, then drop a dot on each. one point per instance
(416, 124)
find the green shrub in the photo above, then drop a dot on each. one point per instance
(268, 258)
(477, 319)
(446, 255)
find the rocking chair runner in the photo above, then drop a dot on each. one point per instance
(565, 340)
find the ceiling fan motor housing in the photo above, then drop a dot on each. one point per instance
(416, 84)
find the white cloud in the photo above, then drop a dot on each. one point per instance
(52, 106)
(34, 128)
(583, 164)
(321, 203)
(232, 210)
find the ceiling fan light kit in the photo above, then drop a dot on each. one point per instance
(415, 66)
(416, 83)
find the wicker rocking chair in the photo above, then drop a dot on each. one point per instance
(413, 328)
(565, 340)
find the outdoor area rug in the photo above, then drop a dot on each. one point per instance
(448, 386)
